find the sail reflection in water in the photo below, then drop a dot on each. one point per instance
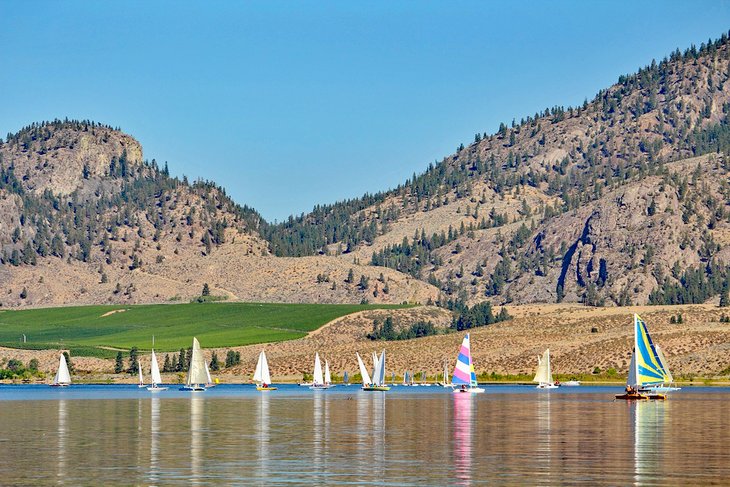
(463, 425)
(154, 472)
(62, 439)
(263, 436)
(649, 425)
(544, 436)
(197, 407)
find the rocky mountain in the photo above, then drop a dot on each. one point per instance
(624, 199)
(85, 219)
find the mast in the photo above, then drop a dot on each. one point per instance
(265, 376)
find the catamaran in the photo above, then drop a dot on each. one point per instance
(544, 376)
(63, 378)
(377, 383)
(464, 375)
(406, 378)
(261, 375)
(209, 383)
(320, 381)
(648, 369)
(155, 373)
(197, 377)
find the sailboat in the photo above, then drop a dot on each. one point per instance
(141, 379)
(155, 373)
(209, 383)
(197, 378)
(445, 382)
(405, 378)
(261, 375)
(63, 378)
(377, 383)
(319, 381)
(346, 378)
(647, 369)
(544, 376)
(464, 375)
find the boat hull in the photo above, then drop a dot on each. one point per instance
(318, 388)
(376, 388)
(546, 386)
(193, 388)
(470, 390)
(570, 383)
(262, 389)
(156, 389)
(60, 385)
(635, 396)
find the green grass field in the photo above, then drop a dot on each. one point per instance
(85, 331)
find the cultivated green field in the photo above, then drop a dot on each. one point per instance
(86, 331)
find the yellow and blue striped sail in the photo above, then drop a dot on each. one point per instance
(649, 366)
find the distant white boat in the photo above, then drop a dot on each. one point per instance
(63, 377)
(570, 383)
(320, 381)
(261, 375)
(446, 382)
(155, 374)
(465, 378)
(197, 376)
(377, 382)
(544, 376)
(346, 378)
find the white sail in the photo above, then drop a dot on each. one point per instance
(374, 372)
(196, 372)
(155, 370)
(664, 364)
(139, 371)
(265, 376)
(446, 373)
(318, 380)
(62, 376)
(379, 376)
(363, 371)
(543, 374)
(257, 372)
(327, 377)
(632, 380)
(207, 373)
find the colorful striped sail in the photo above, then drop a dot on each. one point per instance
(464, 373)
(650, 368)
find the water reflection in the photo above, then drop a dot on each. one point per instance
(463, 425)
(197, 406)
(544, 432)
(263, 436)
(154, 471)
(649, 419)
(62, 425)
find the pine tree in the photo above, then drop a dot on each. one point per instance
(119, 364)
(133, 361)
(206, 290)
(167, 366)
(214, 365)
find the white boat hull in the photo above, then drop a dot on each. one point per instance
(570, 383)
(472, 390)
(546, 386)
(156, 389)
(322, 387)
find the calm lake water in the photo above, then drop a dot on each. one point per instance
(234, 435)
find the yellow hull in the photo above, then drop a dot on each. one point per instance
(259, 388)
(376, 388)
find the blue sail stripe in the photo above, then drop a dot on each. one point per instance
(463, 359)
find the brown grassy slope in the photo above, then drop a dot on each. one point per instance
(697, 348)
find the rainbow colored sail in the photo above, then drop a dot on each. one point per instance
(650, 368)
(464, 373)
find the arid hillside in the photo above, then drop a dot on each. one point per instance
(580, 339)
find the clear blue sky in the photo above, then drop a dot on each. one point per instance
(290, 104)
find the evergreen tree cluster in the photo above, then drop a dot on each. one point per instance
(387, 330)
(695, 285)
